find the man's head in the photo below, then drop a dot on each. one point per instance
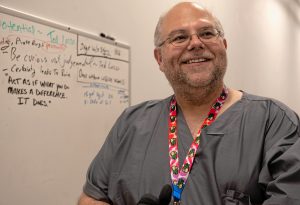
(190, 47)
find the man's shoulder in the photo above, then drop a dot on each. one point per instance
(270, 105)
(150, 107)
(149, 104)
(268, 101)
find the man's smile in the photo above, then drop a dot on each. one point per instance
(196, 60)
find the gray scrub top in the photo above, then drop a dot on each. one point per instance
(249, 155)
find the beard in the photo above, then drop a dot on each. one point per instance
(192, 85)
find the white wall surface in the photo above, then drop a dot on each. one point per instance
(263, 44)
(263, 39)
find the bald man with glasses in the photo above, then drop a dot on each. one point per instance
(207, 144)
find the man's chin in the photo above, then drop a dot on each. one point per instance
(198, 83)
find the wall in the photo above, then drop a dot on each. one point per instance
(264, 47)
(263, 39)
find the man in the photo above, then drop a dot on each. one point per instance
(213, 144)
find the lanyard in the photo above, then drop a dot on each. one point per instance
(179, 177)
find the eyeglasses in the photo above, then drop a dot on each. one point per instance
(182, 39)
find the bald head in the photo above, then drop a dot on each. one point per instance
(187, 11)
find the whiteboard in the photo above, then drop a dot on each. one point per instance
(61, 90)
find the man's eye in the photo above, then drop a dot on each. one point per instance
(207, 34)
(179, 38)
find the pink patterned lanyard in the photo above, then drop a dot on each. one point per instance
(179, 177)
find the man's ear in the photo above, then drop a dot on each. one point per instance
(158, 57)
(225, 43)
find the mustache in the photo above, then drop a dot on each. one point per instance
(207, 56)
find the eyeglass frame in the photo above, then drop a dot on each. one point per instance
(218, 34)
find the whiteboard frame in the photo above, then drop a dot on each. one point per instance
(47, 22)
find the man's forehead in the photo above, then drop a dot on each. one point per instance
(187, 8)
(184, 16)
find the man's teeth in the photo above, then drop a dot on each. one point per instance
(196, 60)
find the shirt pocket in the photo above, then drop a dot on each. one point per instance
(232, 197)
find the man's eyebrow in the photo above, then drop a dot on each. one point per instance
(206, 27)
(177, 31)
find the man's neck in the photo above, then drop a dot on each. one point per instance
(195, 110)
(198, 99)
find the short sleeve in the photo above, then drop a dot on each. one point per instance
(280, 173)
(98, 174)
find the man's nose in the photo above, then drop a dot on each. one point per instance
(195, 42)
